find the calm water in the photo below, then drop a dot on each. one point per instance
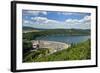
(65, 39)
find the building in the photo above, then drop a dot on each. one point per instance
(35, 44)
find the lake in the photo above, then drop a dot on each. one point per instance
(65, 38)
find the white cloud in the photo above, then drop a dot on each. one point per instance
(71, 13)
(39, 18)
(65, 13)
(86, 19)
(35, 12)
(47, 23)
(81, 23)
(44, 12)
(26, 21)
(72, 21)
(44, 22)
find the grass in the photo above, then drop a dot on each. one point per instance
(81, 51)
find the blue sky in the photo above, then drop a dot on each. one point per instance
(56, 19)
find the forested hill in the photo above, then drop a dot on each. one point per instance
(67, 31)
(31, 28)
(58, 31)
(34, 33)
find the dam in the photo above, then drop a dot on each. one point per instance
(53, 46)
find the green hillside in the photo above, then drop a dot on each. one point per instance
(81, 51)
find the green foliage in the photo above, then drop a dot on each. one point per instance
(33, 55)
(81, 51)
(27, 46)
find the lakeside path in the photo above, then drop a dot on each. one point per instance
(53, 46)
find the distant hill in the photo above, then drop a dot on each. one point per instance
(67, 31)
(30, 35)
(27, 28)
(38, 31)
(57, 31)
(31, 28)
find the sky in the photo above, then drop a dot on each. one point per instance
(56, 19)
